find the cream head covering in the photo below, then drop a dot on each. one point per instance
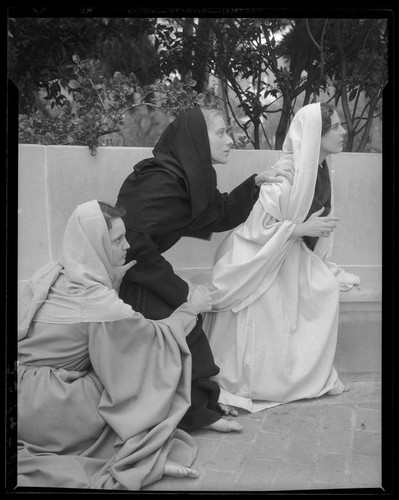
(303, 141)
(79, 287)
(301, 150)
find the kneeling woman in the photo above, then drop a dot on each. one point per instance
(101, 389)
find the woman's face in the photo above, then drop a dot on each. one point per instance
(333, 140)
(219, 140)
(119, 243)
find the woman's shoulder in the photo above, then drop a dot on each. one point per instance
(157, 171)
(275, 196)
(152, 183)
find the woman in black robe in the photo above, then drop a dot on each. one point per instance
(171, 195)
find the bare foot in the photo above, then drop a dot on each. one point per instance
(338, 388)
(224, 425)
(228, 410)
(173, 469)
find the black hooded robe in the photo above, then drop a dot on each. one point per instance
(166, 197)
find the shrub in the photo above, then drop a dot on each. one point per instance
(91, 105)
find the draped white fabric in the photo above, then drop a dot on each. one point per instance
(273, 327)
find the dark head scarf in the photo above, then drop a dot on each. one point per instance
(184, 145)
(184, 149)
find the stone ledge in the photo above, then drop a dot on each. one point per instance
(369, 290)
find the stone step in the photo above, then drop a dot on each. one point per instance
(359, 334)
(359, 337)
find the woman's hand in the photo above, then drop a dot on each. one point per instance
(315, 226)
(275, 174)
(119, 272)
(200, 299)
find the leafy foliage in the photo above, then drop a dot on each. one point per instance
(40, 50)
(96, 105)
(265, 68)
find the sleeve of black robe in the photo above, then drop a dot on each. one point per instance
(227, 211)
(152, 272)
(169, 215)
(158, 202)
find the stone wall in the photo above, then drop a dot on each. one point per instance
(53, 180)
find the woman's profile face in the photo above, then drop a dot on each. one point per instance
(333, 141)
(219, 140)
(119, 244)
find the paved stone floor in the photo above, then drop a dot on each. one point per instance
(329, 443)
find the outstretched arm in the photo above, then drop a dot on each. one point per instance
(231, 209)
(315, 226)
(227, 210)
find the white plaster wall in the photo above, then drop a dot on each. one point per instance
(357, 185)
(33, 234)
(53, 180)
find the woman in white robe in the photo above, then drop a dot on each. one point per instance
(274, 319)
(101, 389)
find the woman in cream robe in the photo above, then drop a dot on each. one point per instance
(274, 320)
(101, 389)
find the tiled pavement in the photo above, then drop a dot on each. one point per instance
(329, 443)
